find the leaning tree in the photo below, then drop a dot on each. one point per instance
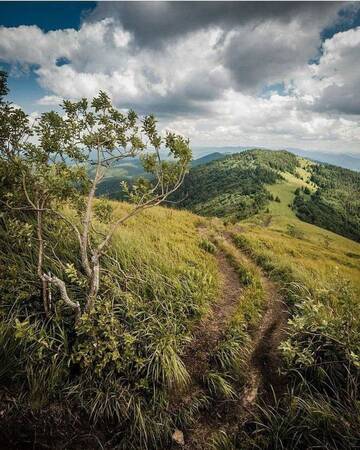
(51, 161)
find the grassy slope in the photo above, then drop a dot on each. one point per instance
(313, 253)
(158, 283)
(320, 355)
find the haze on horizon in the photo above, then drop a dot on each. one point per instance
(276, 74)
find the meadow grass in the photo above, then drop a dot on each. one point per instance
(319, 274)
(312, 253)
(123, 362)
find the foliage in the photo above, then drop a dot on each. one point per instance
(48, 173)
(324, 339)
(321, 407)
(119, 367)
(115, 366)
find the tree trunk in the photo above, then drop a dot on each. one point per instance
(44, 282)
(94, 283)
(84, 241)
(64, 295)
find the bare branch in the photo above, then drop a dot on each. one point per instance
(63, 291)
(26, 192)
(39, 229)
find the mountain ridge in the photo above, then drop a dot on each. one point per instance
(347, 161)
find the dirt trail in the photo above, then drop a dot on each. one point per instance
(264, 375)
(210, 330)
(264, 361)
(206, 336)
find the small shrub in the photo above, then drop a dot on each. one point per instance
(294, 231)
(208, 246)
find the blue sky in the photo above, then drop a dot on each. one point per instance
(24, 88)
(276, 74)
(47, 15)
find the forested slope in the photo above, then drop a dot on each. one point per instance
(242, 185)
(234, 187)
(335, 205)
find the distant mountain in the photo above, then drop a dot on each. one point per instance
(199, 152)
(338, 159)
(208, 158)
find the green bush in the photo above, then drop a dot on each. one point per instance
(320, 409)
(207, 246)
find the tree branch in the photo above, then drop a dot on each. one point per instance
(63, 291)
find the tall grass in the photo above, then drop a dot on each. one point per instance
(119, 367)
(321, 358)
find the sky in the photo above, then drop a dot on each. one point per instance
(269, 74)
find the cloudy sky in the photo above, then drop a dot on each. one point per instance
(276, 74)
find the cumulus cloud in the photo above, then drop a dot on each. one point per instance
(276, 121)
(208, 69)
(50, 100)
(153, 23)
(338, 72)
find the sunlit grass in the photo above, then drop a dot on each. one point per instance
(125, 358)
(313, 254)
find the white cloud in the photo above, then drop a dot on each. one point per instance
(205, 84)
(50, 100)
(338, 73)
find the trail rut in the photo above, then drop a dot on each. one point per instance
(210, 330)
(263, 377)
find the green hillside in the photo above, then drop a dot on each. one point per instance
(244, 184)
(234, 187)
(157, 282)
(272, 223)
(317, 273)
